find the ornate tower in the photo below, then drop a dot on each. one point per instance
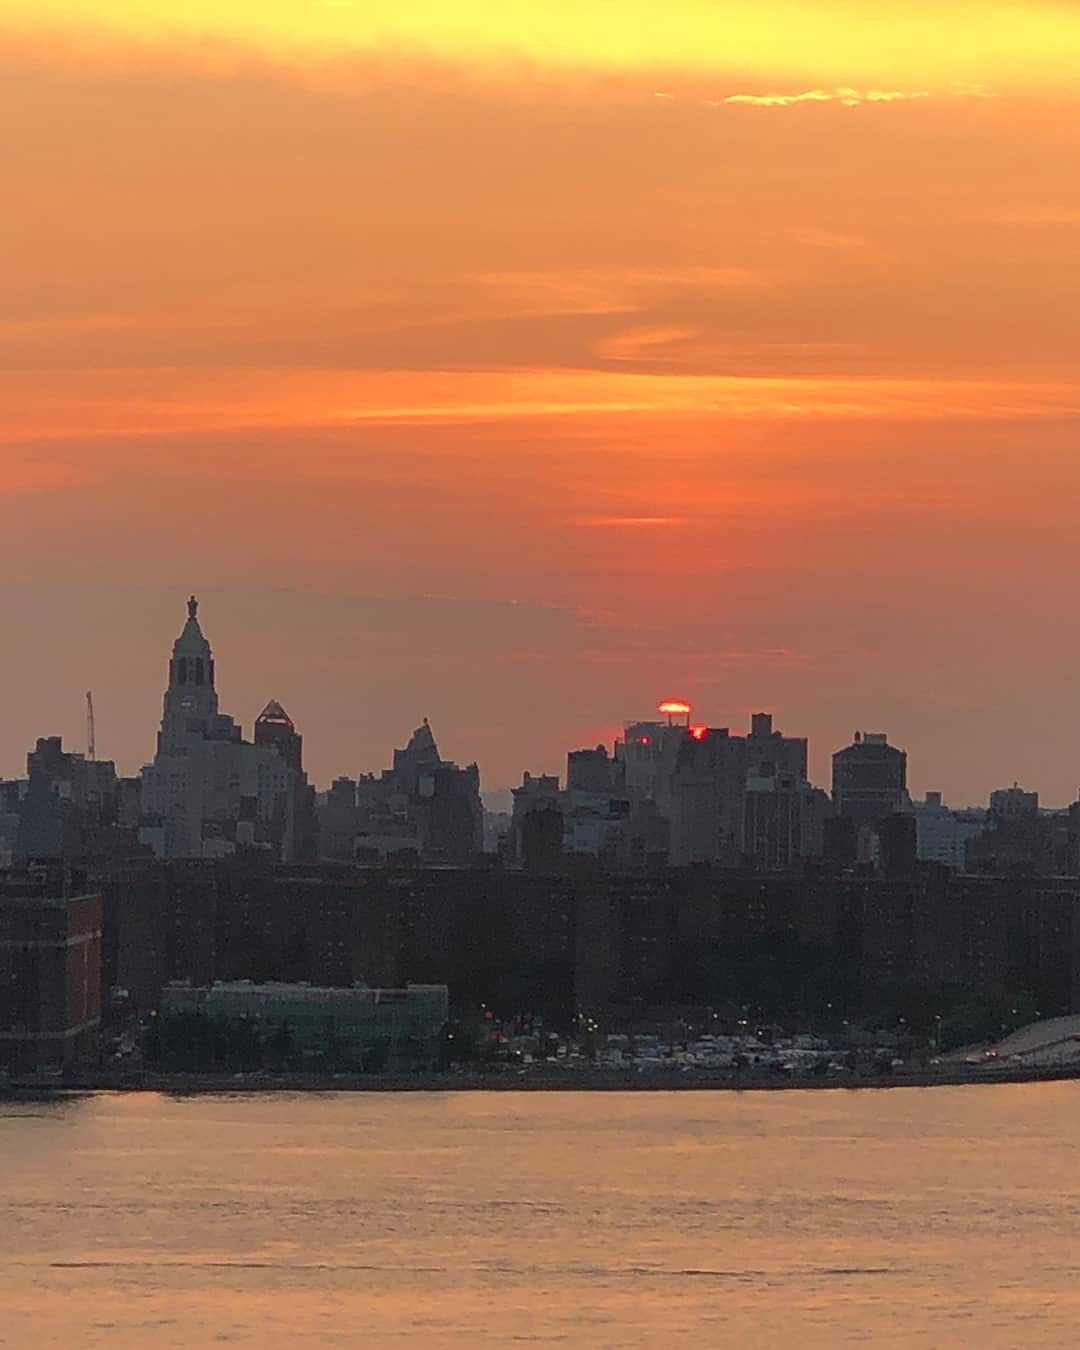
(191, 703)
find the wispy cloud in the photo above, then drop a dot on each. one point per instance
(849, 98)
(643, 344)
(628, 522)
(846, 97)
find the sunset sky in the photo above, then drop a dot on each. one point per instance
(518, 365)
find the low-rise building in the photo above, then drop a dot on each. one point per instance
(353, 1028)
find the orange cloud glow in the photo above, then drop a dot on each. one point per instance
(723, 348)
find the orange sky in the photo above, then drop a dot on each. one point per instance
(518, 365)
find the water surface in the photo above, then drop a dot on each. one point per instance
(802, 1220)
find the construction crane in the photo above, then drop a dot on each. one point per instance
(91, 745)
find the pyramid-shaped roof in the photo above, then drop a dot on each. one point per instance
(274, 712)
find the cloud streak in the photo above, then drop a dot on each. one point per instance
(845, 96)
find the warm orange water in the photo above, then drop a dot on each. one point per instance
(914, 1218)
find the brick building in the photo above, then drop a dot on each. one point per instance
(50, 972)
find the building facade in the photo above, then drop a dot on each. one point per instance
(50, 973)
(358, 1028)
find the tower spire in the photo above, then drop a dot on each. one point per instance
(192, 607)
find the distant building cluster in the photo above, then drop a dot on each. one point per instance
(676, 794)
(258, 922)
(669, 793)
(209, 793)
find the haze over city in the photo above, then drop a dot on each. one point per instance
(517, 374)
(540, 768)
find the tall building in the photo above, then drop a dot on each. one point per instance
(869, 780)
(769, 753)
(784, 820)
(701, 791)
(274, 728)
(208, 792)
(421, 756)
(50, 972)
(644, 755)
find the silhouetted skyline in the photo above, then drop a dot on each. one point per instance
(298, 648)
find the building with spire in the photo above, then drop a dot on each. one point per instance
(209, 792)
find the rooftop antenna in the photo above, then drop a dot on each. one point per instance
(91, 743)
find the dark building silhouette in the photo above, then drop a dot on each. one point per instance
(542, 838)
(425, 808)
(576, 938)
(274, 727)
(338, 821)
(784, 820)
(898, 840)
(68, 807)
(841, 842)
(1019, 836)
(450, 814)
(768, 752)
(592, 771)
(295, 829)
(702, 794)
(869, 780)
(50, 971)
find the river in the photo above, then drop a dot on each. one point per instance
(802, 1220)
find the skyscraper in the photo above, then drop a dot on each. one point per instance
(274, 728)
(208, 792)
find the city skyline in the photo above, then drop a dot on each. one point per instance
(552, 758)
(538, 564)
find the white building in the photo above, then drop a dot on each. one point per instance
(209, 792)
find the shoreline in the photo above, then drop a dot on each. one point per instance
(653, 1081)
